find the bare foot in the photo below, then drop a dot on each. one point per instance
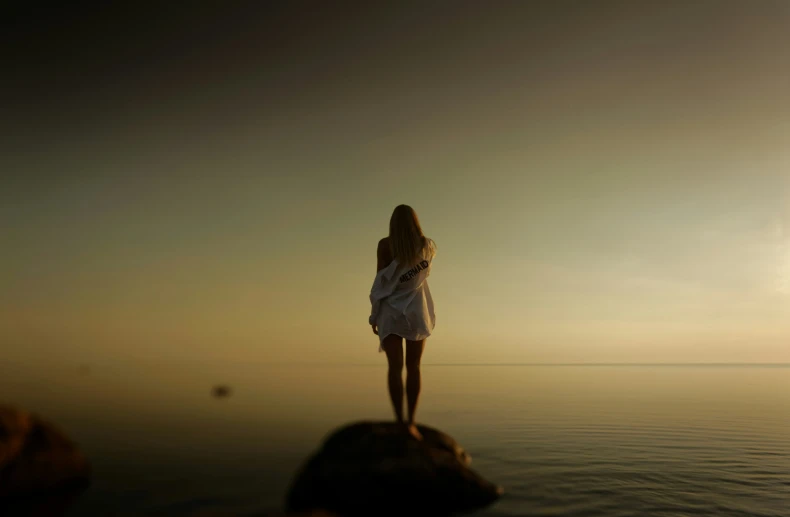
(412, 430)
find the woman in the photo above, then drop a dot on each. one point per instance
(402, 307)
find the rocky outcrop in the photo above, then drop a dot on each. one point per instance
(221, 391)
(41, 470)
(376, 468)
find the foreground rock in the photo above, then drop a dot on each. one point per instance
(376, 468)
(41, 470)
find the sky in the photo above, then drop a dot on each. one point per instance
(605, 182)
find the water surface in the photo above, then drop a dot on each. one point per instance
(602, 440)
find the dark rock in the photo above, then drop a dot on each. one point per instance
(377, 468)
(41, 470)
(221, 391)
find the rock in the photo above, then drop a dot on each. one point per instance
(40, 468)
(221, 391)
(376, 468)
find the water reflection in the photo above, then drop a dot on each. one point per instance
(157, 441)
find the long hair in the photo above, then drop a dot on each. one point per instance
(406, 237)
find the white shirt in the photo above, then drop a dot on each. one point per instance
(400, 298)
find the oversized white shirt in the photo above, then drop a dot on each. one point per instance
(400, 298)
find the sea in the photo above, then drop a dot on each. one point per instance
(562, 440)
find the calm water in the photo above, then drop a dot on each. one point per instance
(562, 440)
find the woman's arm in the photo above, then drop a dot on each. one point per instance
(383, 259)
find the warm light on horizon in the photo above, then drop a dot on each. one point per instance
(592, 199)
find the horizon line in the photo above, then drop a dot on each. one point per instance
(705, 363)
(721, 364)
(763, 364)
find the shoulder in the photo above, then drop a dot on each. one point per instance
(383, 254)
(383, 249)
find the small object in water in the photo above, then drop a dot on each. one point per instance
(221, 391)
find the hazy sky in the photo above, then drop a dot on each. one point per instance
(605, 181)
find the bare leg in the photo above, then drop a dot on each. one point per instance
(393, 346)
(413, 381)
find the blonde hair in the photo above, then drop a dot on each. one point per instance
(406, 237)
